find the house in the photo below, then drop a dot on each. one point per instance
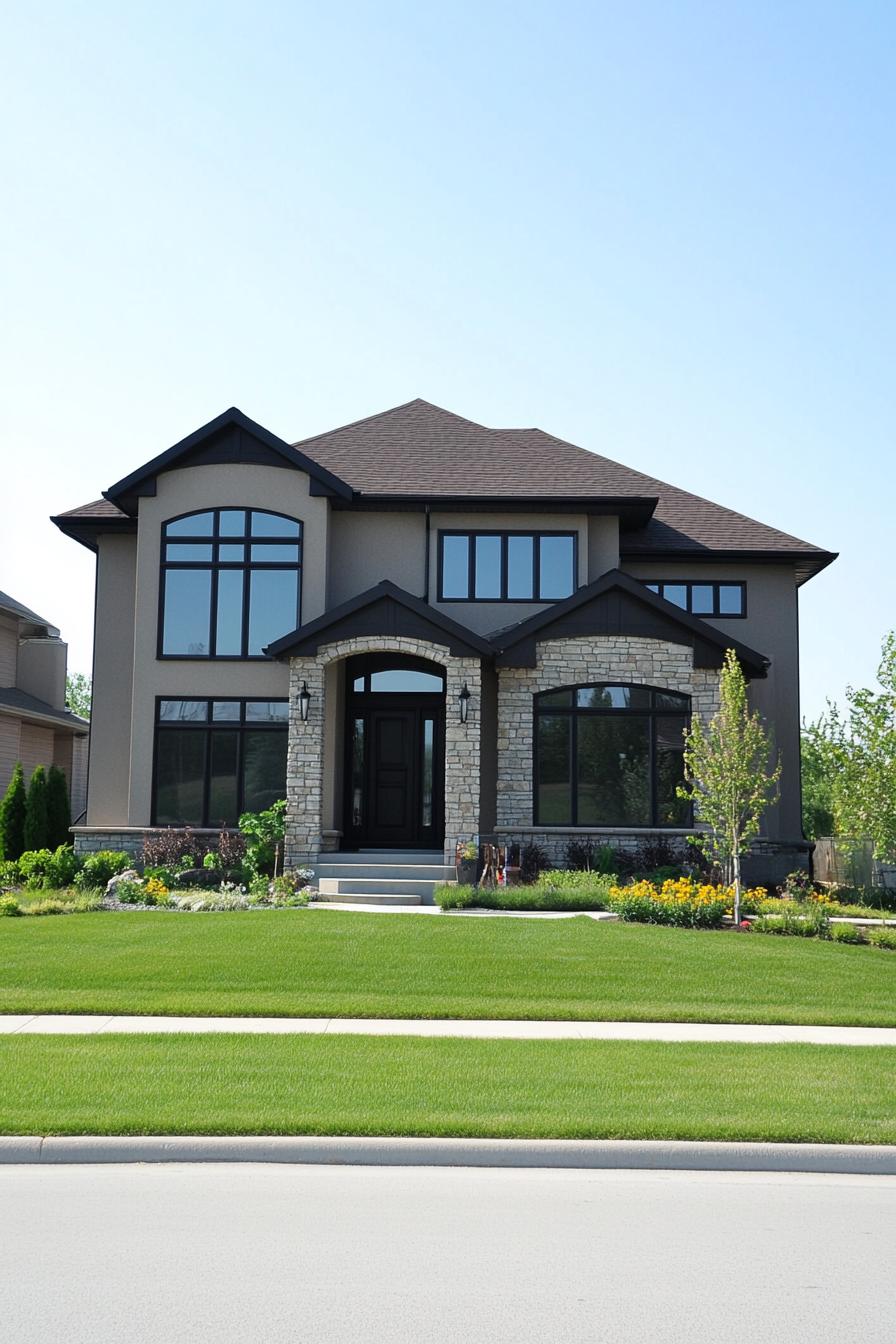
(35, 726)
(420, 630)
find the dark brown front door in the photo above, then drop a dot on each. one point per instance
(393, 787)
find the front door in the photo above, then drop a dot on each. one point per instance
(394, 768)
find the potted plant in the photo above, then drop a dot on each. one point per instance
(466, 863)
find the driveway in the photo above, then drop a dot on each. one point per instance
(189, 1254)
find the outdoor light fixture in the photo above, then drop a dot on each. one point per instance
(304, 701)
(464, 699)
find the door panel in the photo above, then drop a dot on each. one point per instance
(394, 781)
(393, 776)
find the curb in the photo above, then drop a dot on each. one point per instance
(584, 1154)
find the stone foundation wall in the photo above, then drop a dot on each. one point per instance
(567, 662)
(86, 840)
(305, 758)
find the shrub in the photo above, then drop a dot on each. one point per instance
(166, 876)
(33, 866)
(560, 879)
(533, 860)
(797, 886)
(264, 833)
(9, 906)
(59, 814)
(63, 867)
(211, 860)
(12, 815)
(885, 938)
(99, 867)
(291, 888)
(847, 933)
(169, 847)
(657, 852)
(37, 828)
(130, 892)
(586, 856)
(527, 897)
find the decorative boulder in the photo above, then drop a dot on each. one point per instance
(129, 875)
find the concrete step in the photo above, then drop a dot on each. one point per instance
(428, 872)
(369, 898)
(378, 856)
(385, 886)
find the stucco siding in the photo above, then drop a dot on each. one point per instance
(368, 547)
(110, 723)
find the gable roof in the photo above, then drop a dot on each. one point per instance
(14, 701)
(232, 437)
(618, 604)
(384, 609)
(418, 453)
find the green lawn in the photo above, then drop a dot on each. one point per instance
(370, 1085)
(321, 963)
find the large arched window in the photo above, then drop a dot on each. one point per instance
(230, 583)
(609, 756)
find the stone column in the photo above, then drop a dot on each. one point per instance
(462, 752)
(305, 765)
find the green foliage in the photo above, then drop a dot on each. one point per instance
(9, 906)
(167, 876)
(818, 774)
(99, 867)
(81, 904)
(797, 886)
(9, 873)
(211, 860)
(78, 691)
(12, 815)
(264, 833)
(730, 778)
(59, 814)
(638, 909)
(857, 755)
(132, 893)
(37, 827)
(885, 938)
(534, 896)
(802, 923)
(33, 866)
(63, 867)
(847, 933)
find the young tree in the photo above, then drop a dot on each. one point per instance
(12, 815)
(819, 768)
(863, 752)
(730, 776)
(59, 814)
(78, 691)
(36, 829)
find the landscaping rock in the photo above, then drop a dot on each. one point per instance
(129, 875)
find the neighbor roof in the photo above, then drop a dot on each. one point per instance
(14, 608)
(20, 702)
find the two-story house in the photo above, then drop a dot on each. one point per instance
(36, 728)
(419, 630)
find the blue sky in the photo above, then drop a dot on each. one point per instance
(663, 231)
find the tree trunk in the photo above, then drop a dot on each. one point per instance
(736, 863)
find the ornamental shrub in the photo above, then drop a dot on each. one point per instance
(885, 938)
(99, 867)
(63, 867)
(9, 906)
(12, 815)
(9, 873)
(37, 829)
(59, 813)
(847, 933)
(33, 866)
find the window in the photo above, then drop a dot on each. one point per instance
(506, 566)
(230, 583)
(610, 756)
(218, 758)
(707, 598)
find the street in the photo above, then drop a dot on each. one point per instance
(184, 1254)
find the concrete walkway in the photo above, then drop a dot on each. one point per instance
(744, 1033)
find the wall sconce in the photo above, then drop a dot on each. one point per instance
(464, 699)
(304, 702)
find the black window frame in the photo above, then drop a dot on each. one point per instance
(715, 584)
(214, 566)
(241, 726)
(574, 711)
(503, 535)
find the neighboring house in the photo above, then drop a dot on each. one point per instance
(35, 726)
(421, 630)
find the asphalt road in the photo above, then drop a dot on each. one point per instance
(189, 1254)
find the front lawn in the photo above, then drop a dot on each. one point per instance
(326, 963)
(370, 1085)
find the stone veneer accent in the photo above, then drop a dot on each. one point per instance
(566, 662)
(129, 839)
(305, 760)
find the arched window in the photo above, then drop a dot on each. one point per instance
(230, 583)
(610, 756)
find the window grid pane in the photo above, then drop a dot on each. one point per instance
(507, 566)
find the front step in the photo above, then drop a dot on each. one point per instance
(378, 877)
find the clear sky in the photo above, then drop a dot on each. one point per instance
(663, 231)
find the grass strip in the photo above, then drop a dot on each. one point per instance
(325, 963)
(227, 1084)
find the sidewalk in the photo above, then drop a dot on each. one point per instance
(742, 1033)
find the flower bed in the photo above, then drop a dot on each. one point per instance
(682, 901)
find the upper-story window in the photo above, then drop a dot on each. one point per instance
(230, 583)
(703, 597)
(506, 566)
